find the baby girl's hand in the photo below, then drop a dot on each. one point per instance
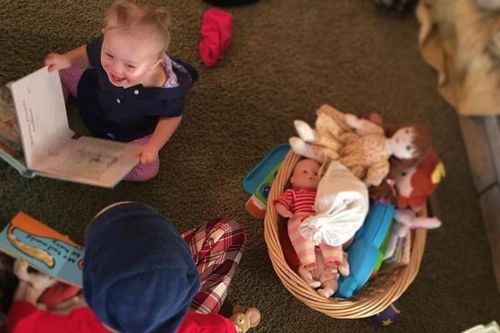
(57, 62)
(148, 154)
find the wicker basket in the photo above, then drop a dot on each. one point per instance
(375, 296)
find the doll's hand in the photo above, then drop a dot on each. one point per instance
(25, 292)
(282, 210)
(57, 62)
(148, 154)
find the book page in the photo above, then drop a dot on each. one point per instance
(91, 161)
(41, 114)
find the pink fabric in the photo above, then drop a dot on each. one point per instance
(69, 80)
(216, 32)
(143, 172)
(57, 294)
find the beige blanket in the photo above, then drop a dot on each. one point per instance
(461, 40)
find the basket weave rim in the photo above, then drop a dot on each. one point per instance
(377, 295)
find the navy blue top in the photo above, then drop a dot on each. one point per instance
(126, 114)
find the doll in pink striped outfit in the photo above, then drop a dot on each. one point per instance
(296, 204)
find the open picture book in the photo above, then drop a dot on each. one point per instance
(43, 248)
(35, 137)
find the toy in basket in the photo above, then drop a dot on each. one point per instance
(377, 295)
(354, 299)
(257, 181)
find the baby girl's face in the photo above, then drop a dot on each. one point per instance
(306, 174)
(129, 57)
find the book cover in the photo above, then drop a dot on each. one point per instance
(35, 137)
(43, 248)
(10, 135)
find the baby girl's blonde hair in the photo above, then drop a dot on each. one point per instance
(128, 15)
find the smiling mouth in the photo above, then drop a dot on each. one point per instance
(116, 78)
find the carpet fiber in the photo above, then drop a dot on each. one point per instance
(286, 59)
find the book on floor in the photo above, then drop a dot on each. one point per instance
(35, 137)
(43, 248)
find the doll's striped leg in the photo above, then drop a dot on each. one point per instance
(69, 80)
(332, 255)
(143, 172)
(303, 247)
(217, 247)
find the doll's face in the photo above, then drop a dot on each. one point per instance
(306, 174)
(403, 143)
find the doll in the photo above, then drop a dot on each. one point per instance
(386, 191)
(296, 204)
(397, 179)
(361, 146)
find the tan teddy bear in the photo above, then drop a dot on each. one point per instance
(245, 318)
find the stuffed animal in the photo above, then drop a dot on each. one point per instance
(245, 318)
(358, 144)
(414, 185)
(406, 220)
(323, 142)
(367, 156)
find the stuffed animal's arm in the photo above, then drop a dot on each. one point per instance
(409, 218)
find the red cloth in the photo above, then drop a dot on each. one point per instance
(57, 294)
(24, 317)
(216, 32)
(286, 245)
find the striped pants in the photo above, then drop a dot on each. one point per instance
(305, 248)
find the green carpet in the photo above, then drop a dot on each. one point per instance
(286, 59)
